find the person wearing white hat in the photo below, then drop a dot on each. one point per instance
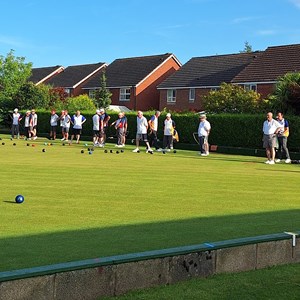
(203, 133)
(169, 126)
(96, 127)
(15, 129)
(27, 125)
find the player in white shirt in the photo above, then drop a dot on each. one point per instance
(96, 127)
(53, 124)
(33, 124)
(270, 128)
(77, 121)
(203, 133)
(169, 126)
(15, 128)
(153, 125)
(141, 133)
(65, 124)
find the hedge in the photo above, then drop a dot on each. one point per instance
(232, 130)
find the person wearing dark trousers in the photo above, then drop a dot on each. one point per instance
(153, 125)
(282, 137)
(169, 126)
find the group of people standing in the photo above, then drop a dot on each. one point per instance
(276, 133)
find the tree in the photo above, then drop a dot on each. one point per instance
(102, 96)
(232, 99)
(247, 48)
(32, 96)
(287, 93)
(14, 72)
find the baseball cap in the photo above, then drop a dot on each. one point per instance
(16, 110)
(168, 115)
(97, 111)
(101, 109)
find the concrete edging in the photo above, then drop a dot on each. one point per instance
(115, 275)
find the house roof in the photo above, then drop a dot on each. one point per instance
(273, 63)
(40, 75)
(209, 71)
(72, 76)
(127, 72)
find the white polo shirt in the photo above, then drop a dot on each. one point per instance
(204, 128)
(271, 127)
(168, 127)
(96, 122)
(53, 120)
(142, 125)
(16, 117)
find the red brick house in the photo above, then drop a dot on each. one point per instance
(262, 73)
(43, 75)
(185, 89)
(133, 81)
(73, 78)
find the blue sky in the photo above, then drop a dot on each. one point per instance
(65, 32)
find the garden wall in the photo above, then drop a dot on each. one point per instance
(94, 278)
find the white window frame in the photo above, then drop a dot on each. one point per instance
(214, 89)
(125, 93)
(192, 95)
(67, 91)
(171, 96)
(250, 87)
(92, 93)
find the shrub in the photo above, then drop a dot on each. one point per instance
(81, 102)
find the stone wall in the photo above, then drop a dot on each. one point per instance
(120, 274)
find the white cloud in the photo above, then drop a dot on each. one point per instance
(10, 41)
(266, 32)
(296, 3)
(243, 19)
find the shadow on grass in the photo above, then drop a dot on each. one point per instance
(10, 202)
(54, 247)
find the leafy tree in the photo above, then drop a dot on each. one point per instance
(32, 96)
(247, 48)
(58, 98)
(14, 72)
(232, 99)
(287, 93)
(102, 96)
(81, 102)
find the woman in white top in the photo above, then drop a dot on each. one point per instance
(15, 128)
(169, 126)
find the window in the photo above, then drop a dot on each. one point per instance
(192, 95)
(92, 93)
(124, 94)
(68, 91)
(171, 96)
(250, 87)
(214, 89)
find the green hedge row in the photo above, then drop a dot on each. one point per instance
(227, 130)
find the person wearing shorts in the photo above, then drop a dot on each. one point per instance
(270, 128)
(53, 124)
(65, 125)
(141, 133)
(96, 127)
(77, 120)
(203, 133)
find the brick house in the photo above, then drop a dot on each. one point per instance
(74, 77)
(133, 81)
(43, 75)
(185, 89)
(262, 73)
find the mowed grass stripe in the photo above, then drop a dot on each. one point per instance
(131, 202)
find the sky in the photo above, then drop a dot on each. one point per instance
(74, 32)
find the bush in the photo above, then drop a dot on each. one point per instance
(232, 130)
(232, 99)
(82, 102)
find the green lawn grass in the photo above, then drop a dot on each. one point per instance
(281, 282)
(80, 206)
